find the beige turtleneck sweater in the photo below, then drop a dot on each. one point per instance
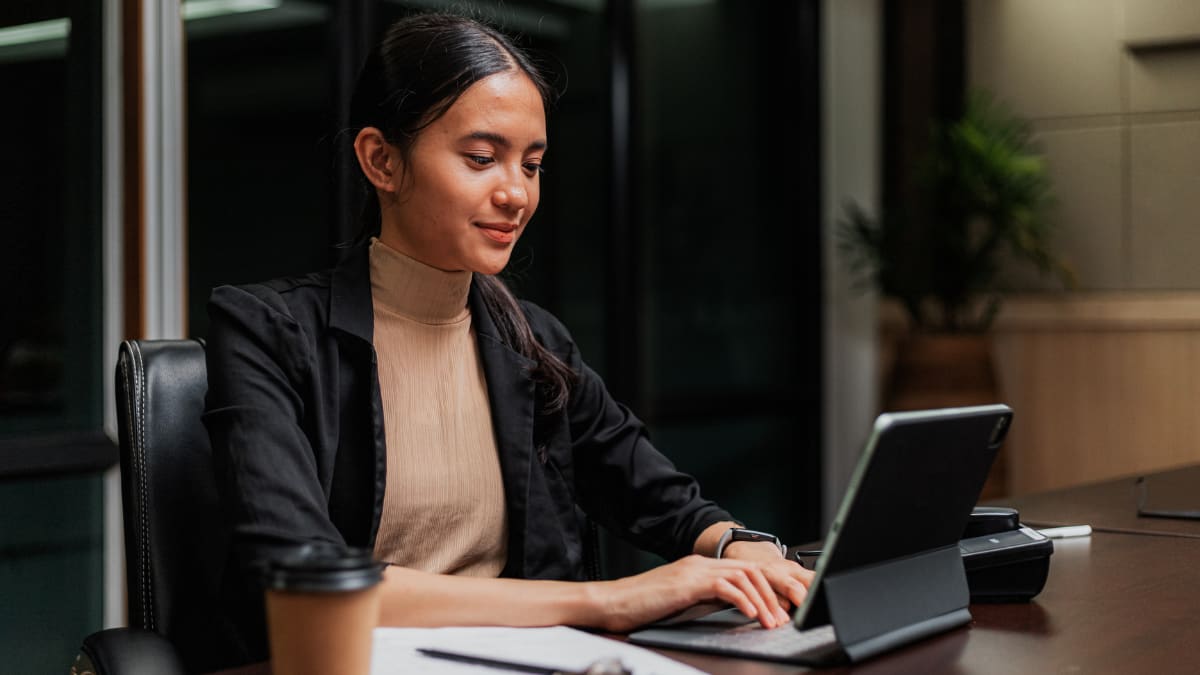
(443, 509)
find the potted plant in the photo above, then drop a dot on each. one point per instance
(982, 197)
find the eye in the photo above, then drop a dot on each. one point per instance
(481, 160)
(534, 168)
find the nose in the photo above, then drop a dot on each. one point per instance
(512, 196)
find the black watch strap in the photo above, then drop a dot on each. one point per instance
(741, 534)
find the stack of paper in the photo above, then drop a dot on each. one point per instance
(558, 648)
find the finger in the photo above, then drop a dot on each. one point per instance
(787, 584)
(802, 574)
(763, 584)
(784, 603)
(733, 595)
(766, 614)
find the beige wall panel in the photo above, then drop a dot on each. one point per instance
(1085, 167)
(1157, 21)
(1092, 405)
(1165, 205)
(1047, 59)
(1164, 80)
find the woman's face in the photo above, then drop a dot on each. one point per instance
(473, 178)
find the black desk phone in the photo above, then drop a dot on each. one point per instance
(1005, 561)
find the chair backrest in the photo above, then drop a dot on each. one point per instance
(176, 545)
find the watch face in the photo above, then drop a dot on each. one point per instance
(741, 534)
(753, 535)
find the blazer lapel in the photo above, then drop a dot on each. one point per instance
(352, 317)
(511, 395)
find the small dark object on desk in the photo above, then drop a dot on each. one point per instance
(807, 559)
(991, 520)
(1008, 566)
(1144, 512)
(1004, 560)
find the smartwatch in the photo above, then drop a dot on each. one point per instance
(739, 534)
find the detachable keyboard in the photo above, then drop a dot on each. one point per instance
(785, 643)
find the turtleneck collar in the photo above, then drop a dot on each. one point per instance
(410, 288)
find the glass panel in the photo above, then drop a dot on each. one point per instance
(51, 566)
(259, 120)
(49, 213)
(731, 333)
(728, 453)
(719, 265)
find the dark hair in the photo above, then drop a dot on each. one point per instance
(423, 64)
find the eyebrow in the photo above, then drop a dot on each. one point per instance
(501, 141)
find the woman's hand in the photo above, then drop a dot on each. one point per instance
(746, 584)
(788, 578)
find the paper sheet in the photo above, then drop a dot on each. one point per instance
(395, 651)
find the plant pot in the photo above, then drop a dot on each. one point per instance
(946, 370)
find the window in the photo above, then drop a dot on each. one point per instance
(728, 226)
(51, 401)
(260, 138)
(50, 216)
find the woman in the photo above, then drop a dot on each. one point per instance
(405, 401)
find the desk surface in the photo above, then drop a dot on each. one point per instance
(1115, 602)
(1111, 506)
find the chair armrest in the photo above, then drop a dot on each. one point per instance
(127, 651)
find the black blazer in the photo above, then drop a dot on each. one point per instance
(294, 414)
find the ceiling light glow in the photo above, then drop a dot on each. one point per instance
(41, 31)
(203, 9)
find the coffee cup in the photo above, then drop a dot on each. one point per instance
(322, 606)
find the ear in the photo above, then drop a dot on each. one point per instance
(378, 159)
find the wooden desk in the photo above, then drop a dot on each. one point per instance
(1111, 506)
(1115, 602)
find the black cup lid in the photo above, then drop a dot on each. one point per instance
(324, 569)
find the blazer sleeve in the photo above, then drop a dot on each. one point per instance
(621, 480)
(258, 367)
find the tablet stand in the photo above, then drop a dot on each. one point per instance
(878, 607)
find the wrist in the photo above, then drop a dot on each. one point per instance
(752, 550)
(591, 605)
(735, 535)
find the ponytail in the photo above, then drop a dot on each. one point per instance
(550, 372)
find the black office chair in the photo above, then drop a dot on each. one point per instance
(175, 542)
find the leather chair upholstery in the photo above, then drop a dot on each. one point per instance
(176, 545)
(127, 651)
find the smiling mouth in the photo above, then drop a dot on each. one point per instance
(504, 233)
